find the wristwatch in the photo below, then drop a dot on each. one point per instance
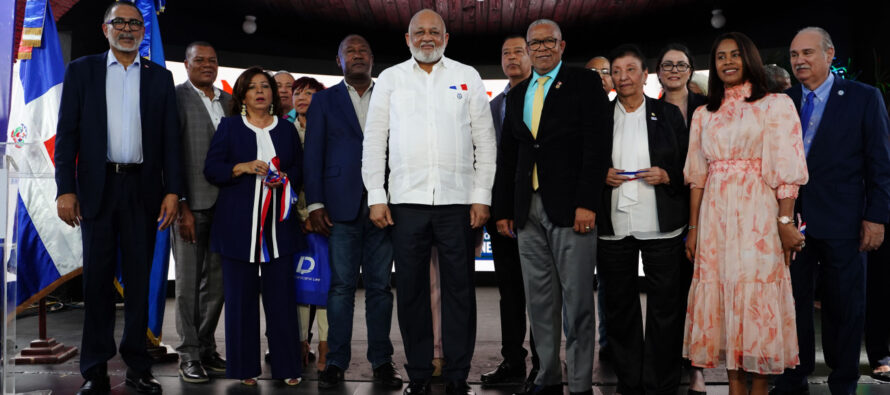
(785, 220)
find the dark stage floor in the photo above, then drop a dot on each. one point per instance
(65, 326)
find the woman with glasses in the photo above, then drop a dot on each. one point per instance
(744, 167)
(674, 69)
(256, 160)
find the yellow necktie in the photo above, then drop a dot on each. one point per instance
(537, 105)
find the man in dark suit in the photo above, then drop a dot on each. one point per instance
(504, 250)
(551, 167)
(199, 288)
(118, 177)
(845, 206)
(338, 208)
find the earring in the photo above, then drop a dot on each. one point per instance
(271, 110)
(243, 109)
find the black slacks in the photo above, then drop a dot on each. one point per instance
(643, 364)
(417, 229)
(121, 225)
(505, 254)
(877, 309)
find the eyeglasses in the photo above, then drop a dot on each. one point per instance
(681, 67)
(548, 43)
(119, 23)
(602, 71)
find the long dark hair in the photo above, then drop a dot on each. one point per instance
(675, 47)
(242, 84)
(752, 70)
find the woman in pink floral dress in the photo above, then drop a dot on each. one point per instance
(744, 165)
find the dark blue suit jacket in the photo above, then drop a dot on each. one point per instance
(232, 231)
(848, 162)
(333, 162)
(82, 139)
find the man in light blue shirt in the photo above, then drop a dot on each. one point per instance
(122, 102)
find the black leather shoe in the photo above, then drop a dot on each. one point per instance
(331, 377)
(506, 374)
(95, 386)
(417, 387)
(555, 389)
(387, 376)
(805, 390)
(214, 363)
(192, 372)
(143, 382)
(458, 388)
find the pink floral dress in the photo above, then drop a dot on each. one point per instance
(745, 156)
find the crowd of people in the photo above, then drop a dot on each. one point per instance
(739, 203)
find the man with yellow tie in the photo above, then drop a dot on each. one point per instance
(551, 168)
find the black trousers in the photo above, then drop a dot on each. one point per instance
(417, 229)
(508, 273)
(643, 364)
(121, 225)
(877, 310)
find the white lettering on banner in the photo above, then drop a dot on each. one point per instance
(300, 265)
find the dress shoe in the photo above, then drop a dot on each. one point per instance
(417, 387)
(458, 388)
(555, 389)
(143, 382)
(95, 386)
(805, 390)
(506, 374)
(214, 363)
(882, 376)
(331, 377)
(192, 372)
(387, 376)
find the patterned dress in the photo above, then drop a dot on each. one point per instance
(745, 156)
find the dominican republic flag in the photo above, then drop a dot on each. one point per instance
(47, 251)
(152, 49)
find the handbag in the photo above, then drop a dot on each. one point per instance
(313, 271)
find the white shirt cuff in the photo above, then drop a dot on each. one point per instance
(376, 196)
(481, 196)
(314, 206)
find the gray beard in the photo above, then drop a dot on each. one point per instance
(434, 57)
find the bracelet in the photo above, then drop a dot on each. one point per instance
(691, 227)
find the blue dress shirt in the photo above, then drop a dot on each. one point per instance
(123, 112)
(530, 92)
(822, 93)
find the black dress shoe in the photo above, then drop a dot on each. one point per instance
(192, 372)
(95, 386)
(387, 376)
(143, 382)
(458, 388)
(506, 374)
(805, 390)
(331, 377)
(214, 363)
(417, 387)
(555, 389)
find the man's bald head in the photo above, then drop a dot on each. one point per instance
(426, 13)
(601, 65)
(426, 37)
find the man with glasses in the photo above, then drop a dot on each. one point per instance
(552, 165)
(601, 65)
(118, 177)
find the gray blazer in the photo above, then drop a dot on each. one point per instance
(197, 130)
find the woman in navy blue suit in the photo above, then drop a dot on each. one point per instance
(256, 161)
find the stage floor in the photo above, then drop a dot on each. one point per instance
(65, 326)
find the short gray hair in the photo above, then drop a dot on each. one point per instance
(279, 72)
(826, 38)
(544, 22)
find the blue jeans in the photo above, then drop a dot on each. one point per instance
(353, 245)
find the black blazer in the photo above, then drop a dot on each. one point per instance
(668, 143)
(571, 149)
(82, 137)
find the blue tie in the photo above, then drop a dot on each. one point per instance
(805, 115)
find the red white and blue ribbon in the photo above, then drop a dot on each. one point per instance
(289, 199)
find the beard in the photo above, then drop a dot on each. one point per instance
(115, 43)
(432, 57)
